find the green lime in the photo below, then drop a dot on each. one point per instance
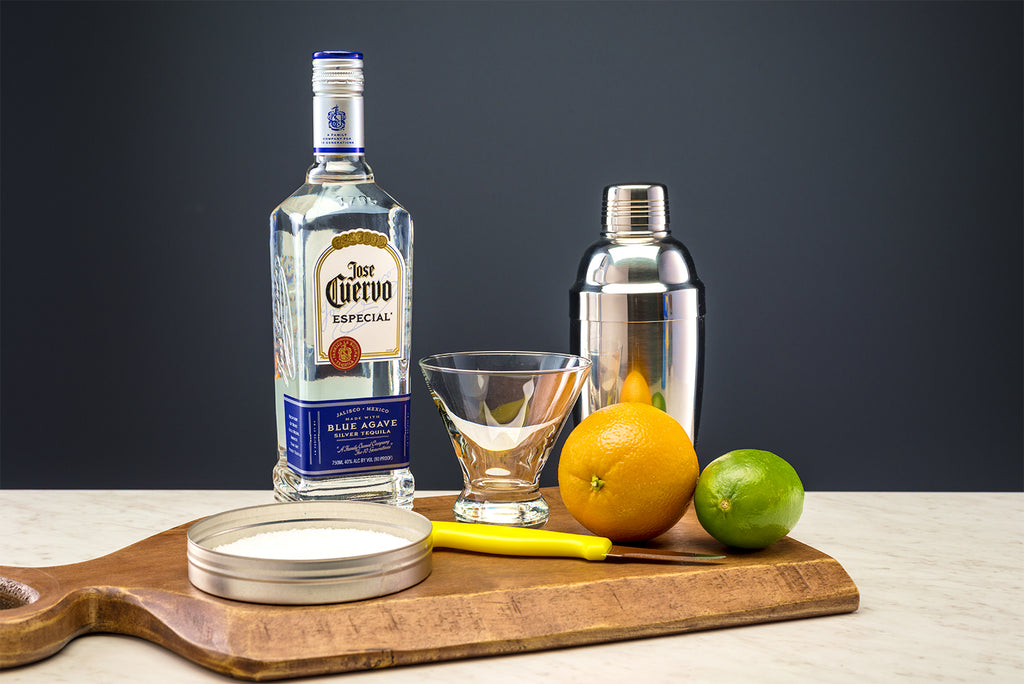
(748, 498)
(506, 413)
(658, 400)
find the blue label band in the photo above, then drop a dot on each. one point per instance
(339, 150)
(347, 437)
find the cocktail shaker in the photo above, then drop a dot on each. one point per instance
(637, 310)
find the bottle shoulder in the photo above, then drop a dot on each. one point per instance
(314, 200)
(340, 183)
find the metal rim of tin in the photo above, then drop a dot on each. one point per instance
(308, 582)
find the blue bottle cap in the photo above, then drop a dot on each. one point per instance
(337, 54)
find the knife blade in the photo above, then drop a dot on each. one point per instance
(521, 541)
(633, 553)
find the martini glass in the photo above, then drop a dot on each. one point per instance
(503, 411)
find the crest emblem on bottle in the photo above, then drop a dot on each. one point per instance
(344, 353)
(336, 119)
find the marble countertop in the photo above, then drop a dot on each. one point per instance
(941, 578)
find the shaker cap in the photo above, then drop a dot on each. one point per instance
(639, 208)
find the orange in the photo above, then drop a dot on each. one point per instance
(635, 388)
(627, 472)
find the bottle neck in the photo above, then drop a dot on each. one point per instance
(338, 140)
(339, 168)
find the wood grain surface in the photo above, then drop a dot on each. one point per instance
(471, 604)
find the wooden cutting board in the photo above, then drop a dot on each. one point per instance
(470, 605)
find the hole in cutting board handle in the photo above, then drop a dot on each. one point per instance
(15, 594)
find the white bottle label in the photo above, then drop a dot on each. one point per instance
(337, 125)
(360, 287)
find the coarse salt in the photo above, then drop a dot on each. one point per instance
(313, 543)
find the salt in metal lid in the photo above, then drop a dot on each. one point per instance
(308, 581)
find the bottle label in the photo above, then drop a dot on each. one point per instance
(337, 125)
(360, 287)
(347, 436)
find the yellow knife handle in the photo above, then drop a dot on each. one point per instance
(518, 541)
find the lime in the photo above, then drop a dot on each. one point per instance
(658, 401)
(504, 413)
(748, 498)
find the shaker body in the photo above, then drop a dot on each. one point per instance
(664, 355)
(637, 311)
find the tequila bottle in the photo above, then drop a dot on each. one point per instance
(341, 265)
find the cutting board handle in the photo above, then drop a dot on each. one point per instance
(44, 609)
(53, 605)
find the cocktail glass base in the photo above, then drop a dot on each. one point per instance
(531, 512)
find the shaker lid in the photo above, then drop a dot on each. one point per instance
(640, 208)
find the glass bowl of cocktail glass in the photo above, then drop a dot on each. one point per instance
(503, 411)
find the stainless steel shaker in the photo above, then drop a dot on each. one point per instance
(637, 310)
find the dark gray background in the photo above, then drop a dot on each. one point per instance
(848, 178)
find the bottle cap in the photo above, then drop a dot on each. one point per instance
(637, 208)
(337, 72)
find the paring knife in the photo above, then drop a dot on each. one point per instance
(519, 541)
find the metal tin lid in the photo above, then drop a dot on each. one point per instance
(308, 582)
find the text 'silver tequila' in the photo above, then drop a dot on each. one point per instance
(341, 261)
